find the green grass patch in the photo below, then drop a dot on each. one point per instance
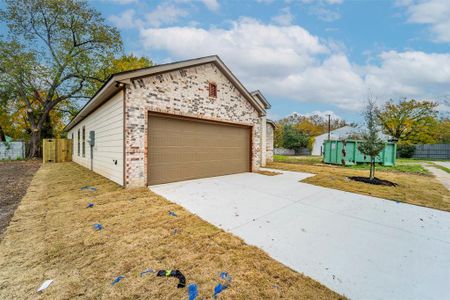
(403, 168)
(415, 160)
(306, 160)
(442, 168)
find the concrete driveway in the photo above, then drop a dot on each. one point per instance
(360, 246)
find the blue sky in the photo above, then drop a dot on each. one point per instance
(306, 56)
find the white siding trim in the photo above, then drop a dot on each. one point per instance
(107, 122)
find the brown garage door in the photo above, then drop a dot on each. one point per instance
(182, 149)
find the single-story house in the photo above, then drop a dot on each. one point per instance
(344, 132)
(171, 122)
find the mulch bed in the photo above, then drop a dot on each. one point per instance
(375, 181)
(15, 177)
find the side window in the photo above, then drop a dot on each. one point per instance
(78, 142)
(84, 141)
(73, 145)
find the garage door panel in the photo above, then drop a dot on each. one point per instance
(193, 170)
(174, 155)
(183, 139)
(181, 149)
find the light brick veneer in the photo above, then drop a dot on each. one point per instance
(269, 142)
(185, 93)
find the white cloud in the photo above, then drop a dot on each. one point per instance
(123, 2)
(248, 45)
(126, 20)
(289, 62)
(325, 14)
(434, 13)
(165, 13)
(284, 18)
(322, 1)
(325, 10)
(212, 5)
(411, 73)
(323, 114)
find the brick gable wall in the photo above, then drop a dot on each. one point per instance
(185, 93)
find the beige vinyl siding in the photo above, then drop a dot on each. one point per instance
(107, 122)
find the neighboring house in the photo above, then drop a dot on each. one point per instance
(338, 134)
(172, 122)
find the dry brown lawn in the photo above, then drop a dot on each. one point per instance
(51, 237)
(15, 177)
(416, 189)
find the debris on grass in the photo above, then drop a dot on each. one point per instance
(224, 275)
(173, 273)
(143, 273)
(88, 188)
(117, 279)
(98, 226)
(45, 285)
(171, 213)
(90, 205)
(193, 291)
(218, 289)
(221, 287)
(140, 239)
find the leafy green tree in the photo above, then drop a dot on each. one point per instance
(443, 134)
(52, 53)
(278, 135)
(409, 121)
(293, 138)
(301, 127)
(116, 65)
(371, 145)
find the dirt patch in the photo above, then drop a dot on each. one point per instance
(375, 181)
(268, 173)
(15, 177)
(51, 236)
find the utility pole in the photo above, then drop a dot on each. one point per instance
(329, 126)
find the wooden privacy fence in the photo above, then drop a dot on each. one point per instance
(56, 150)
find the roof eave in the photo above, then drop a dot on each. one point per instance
(110, 87)
(261, 98)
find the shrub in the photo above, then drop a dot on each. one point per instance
(406, 151)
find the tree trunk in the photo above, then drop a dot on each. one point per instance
(2, 134)
(372, 169)
(35, 143)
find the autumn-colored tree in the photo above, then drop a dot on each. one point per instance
(51, 54)
(278, 135)
(443, 131)
(306, 126)
(310, 128)
(409, 121)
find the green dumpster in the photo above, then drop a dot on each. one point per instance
(346, 153)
